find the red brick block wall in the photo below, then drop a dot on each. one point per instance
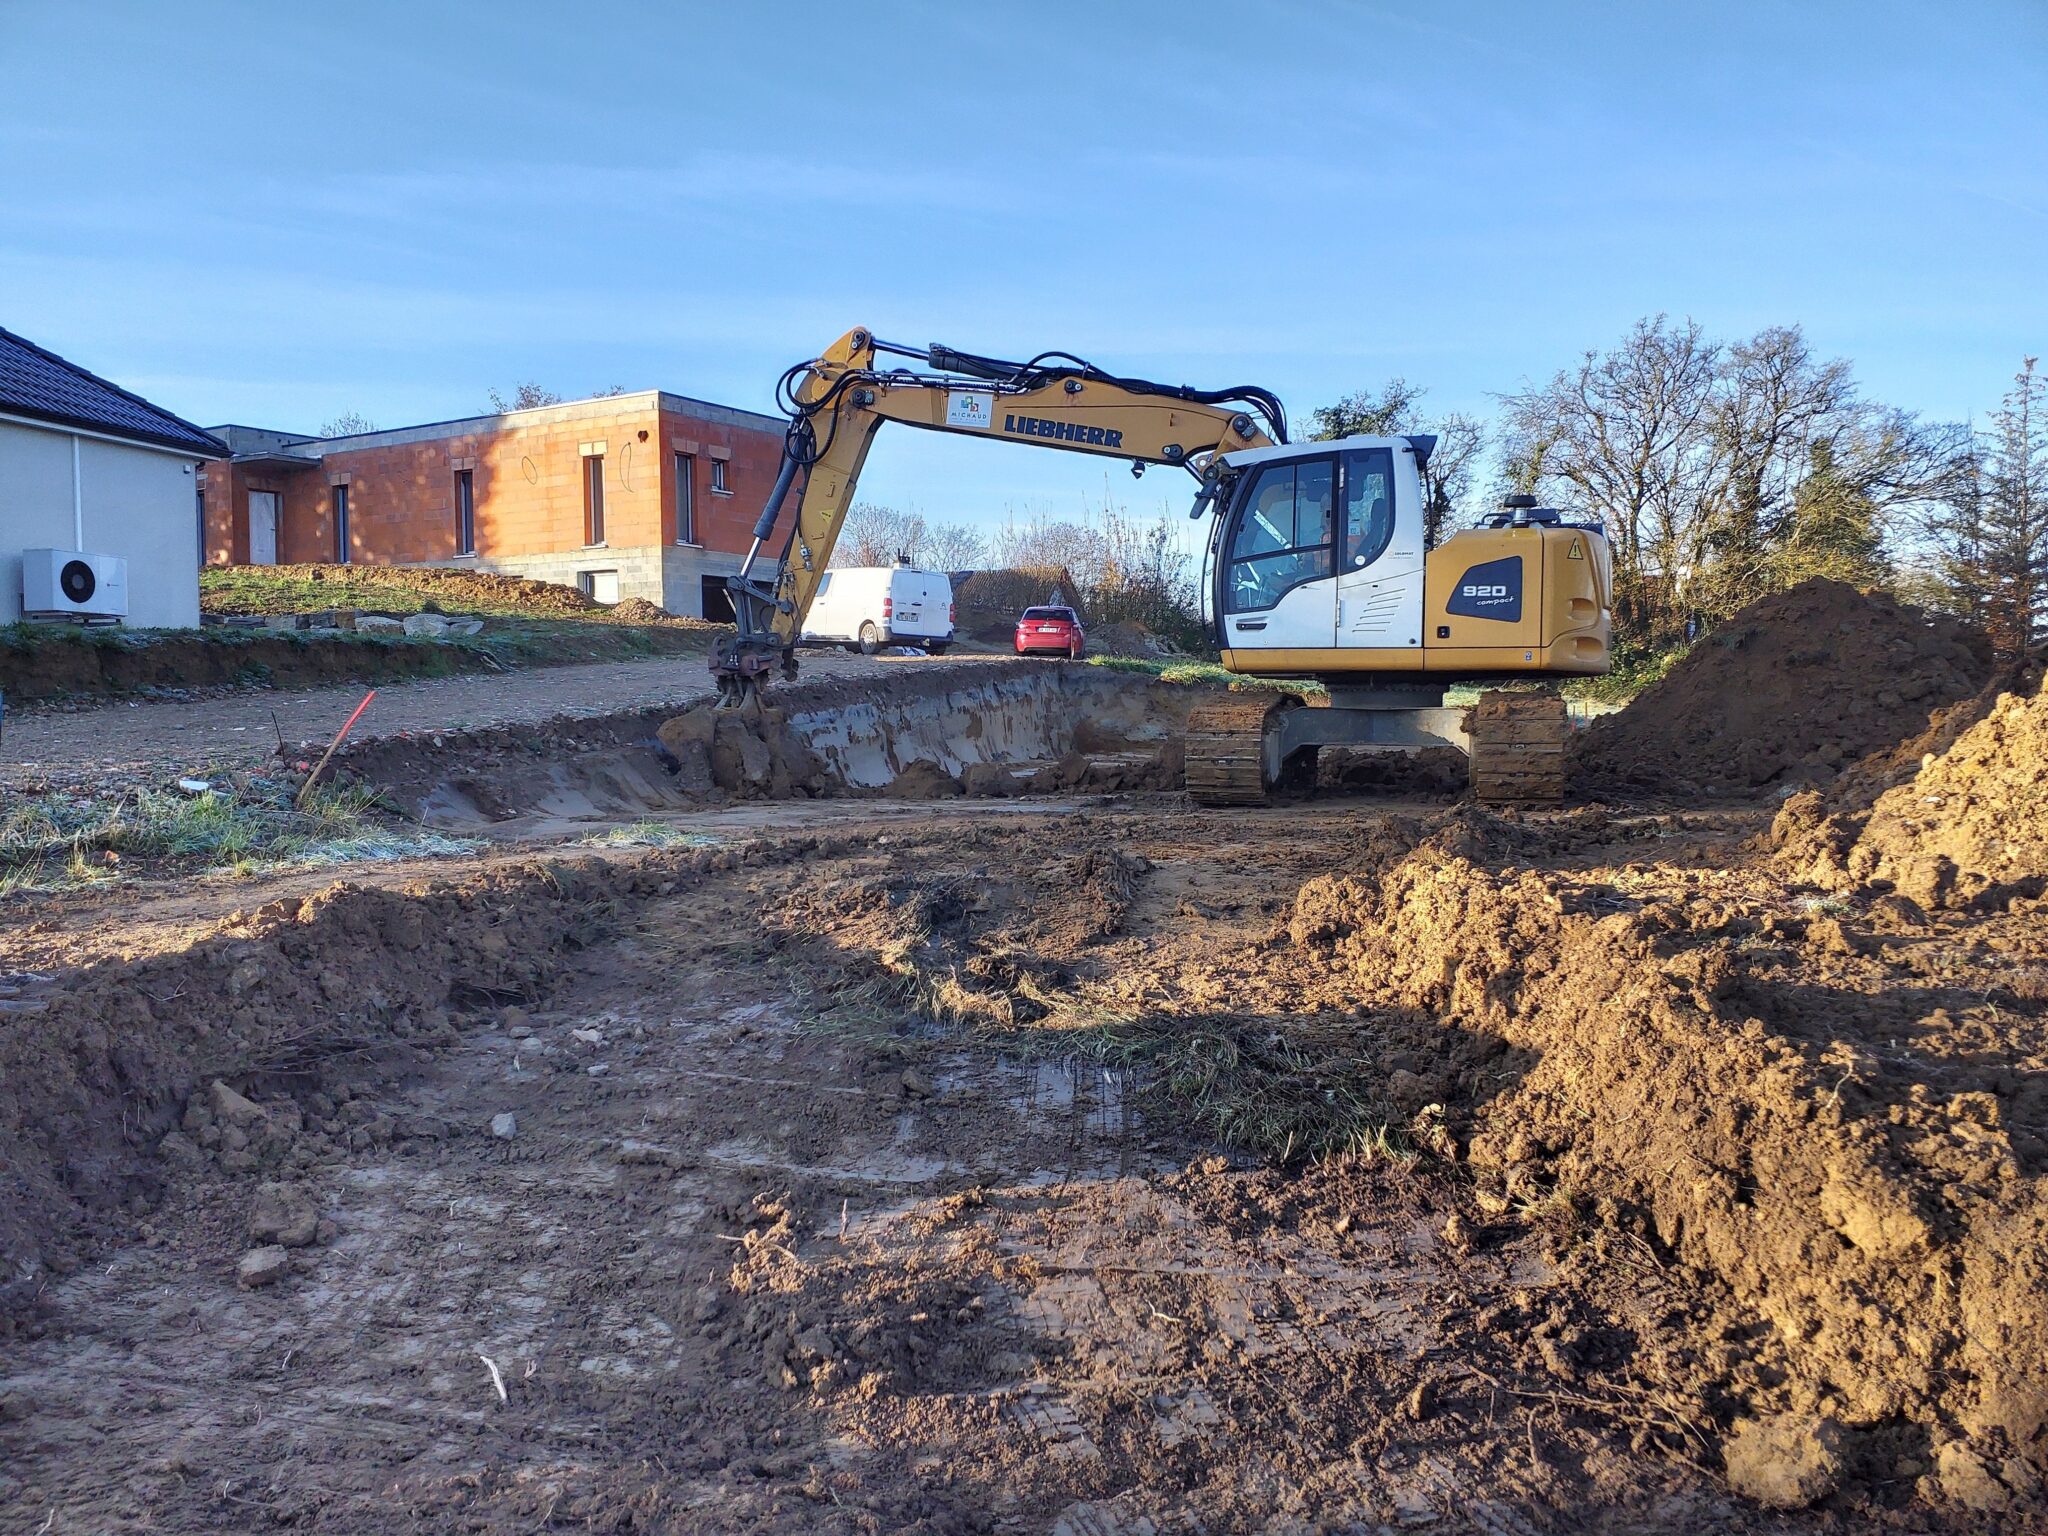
(527, 490)
(723, 522)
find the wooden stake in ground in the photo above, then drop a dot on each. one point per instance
(314, 777)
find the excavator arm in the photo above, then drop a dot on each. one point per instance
(839, 401)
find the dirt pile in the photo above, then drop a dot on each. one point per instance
(1884, 1214)
(106, 1068)
(750, 752)
(1791, 690)
(282, 589)
(1971, 825)
(637, 610)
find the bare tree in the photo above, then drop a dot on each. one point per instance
(348, 424)
(951, 547)
(1800, 457)
(1627, 435)
(1046, 543)
(876, 535)
(525, 397)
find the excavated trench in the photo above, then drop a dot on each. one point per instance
(995, 729)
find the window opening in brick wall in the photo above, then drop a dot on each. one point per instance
(465, 512)
(718, 478)
(593, 499)
(340, 494)
(686, 498)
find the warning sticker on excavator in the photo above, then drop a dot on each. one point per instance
(1578, 551)
(970, 408)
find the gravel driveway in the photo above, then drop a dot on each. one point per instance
(241, 729)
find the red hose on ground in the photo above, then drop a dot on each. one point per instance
(346, 725)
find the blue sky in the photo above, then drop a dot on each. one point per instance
(272, 214)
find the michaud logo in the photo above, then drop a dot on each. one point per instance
(1063, 431)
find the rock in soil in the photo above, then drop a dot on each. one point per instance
(230, 1106)
(284, 1214)
(262, 1266)
(1788, 1461)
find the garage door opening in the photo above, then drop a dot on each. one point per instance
(718, 601)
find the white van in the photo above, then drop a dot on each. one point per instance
(868, 607)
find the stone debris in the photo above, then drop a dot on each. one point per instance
(284, 1214)
(262, 1266)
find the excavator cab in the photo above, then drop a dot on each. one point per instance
(1318, 551)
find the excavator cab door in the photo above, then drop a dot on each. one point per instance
(1380, 576)
(1276, 581)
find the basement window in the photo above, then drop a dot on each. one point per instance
(593, 499)
(718, 483)
(340, 494)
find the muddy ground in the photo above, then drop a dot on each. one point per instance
(1041, 1164)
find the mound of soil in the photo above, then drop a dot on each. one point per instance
(356, 586)
(81, 665)
(1791, 690)
(89, 1083)
(922, 780)
(637, 610)
(1970, 826)
(1884, 1213)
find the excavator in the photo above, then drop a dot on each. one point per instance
(1316, 567)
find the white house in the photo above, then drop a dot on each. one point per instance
(85, 466)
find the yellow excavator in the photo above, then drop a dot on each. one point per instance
(1316, 566)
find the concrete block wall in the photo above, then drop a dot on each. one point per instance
(640, 569)
(683, 573)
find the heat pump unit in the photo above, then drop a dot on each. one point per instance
(70, 584)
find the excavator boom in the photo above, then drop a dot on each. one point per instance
(838, 401)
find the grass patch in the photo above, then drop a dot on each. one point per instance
(1202, 672)
(50, 842)
(645, 834)
(46, 662)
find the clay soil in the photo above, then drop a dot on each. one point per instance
(1051, 1165)
(1791, 691)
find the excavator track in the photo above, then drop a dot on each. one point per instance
(1226, 747)
(1519, 742)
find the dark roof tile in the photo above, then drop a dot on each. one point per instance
(43, 386)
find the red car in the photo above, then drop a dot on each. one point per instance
(1054, 630)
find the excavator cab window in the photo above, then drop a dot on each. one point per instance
(1368, 506)
(1282, 535)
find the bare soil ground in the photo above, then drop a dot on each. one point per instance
(1043, 1164)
